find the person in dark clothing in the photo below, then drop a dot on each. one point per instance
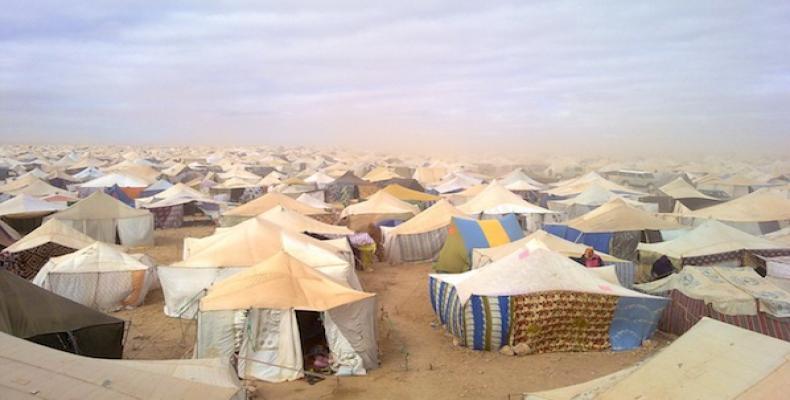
(662, 267)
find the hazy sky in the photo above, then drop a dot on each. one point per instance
(513, 75)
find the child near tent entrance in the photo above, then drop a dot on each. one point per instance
(590, 259)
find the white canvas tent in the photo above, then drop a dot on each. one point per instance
(106, 219)
(591, 198)
(378, 207)
(265, 203)
(99, 276)
(757, 213)
(266, 297)
(710, 238)
(713, 360)
(31, 371)
(220, 256)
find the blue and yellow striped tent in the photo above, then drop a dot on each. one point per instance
(464, 235)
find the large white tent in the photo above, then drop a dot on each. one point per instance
(219, 256)
(422, 237)
(99, 276)
(269, 295)
(106, 219)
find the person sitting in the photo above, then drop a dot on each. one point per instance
(590, 259)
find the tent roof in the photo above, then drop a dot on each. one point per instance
(380, 174)
(531, 271)
(27, 206)
(113, 179)
(27, 310)
(731, 291)
(617, 216)
(174, 195)
(545, 240)
(594, 195)
(712, 237)
(99, 205)
(270, 200)
(255, 240)
(680, 189)
(713, 360)
(456, 182)
(32, 371)
(406, 194)
(762, 205)
(519, 178)
(434, 217)
(280, 282)
(312, 201)
(495, 199)
(39, 188)
(580, 184)
(160, 184)
(98, 257)
(52, 231)
(350, 178)
(295, 222)
(380, 203)
(319, 178)
(780, 236)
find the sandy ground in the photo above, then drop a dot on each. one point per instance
(418, 359)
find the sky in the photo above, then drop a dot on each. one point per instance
(555, 76)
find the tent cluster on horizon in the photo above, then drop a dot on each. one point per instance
(527, 257)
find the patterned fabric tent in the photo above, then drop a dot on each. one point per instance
(737, 296)
(26, 256)
(464, 235)
(540, 301)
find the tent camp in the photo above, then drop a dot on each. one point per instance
(464, 235)
(131, 185)
(267, 202)
(27, 255)
(99, 276)
(484, 256)
(614, 228)
(219, 256)
(381, 206)
(421, 237)
(30, 371)
(288, 306)
(738, 296)
(541, 301)
(712, 242)
(712, 361)
(25, 213)
(108, 220)
(30, 312)
(757, 213)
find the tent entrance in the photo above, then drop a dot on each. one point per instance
(312, 337)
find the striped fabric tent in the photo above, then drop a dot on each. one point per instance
(464, 235)
(544, 302)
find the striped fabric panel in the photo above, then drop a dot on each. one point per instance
(423, 246)
(432, 290)
(684, 312)
(626, 273)
(486, 322)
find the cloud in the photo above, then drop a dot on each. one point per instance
(517, 75)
